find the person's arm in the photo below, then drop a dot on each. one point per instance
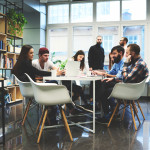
(129, 76)
(103, 57)
(35, 70)
(90, 58)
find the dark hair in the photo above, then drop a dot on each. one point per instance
(80, 52)
(23, 56)
(125, 39)
(118, 48)
(135, 48)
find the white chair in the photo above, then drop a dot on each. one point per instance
(49, 94)
(27, 92)
(128, 92)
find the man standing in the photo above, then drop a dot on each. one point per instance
(96, 55)
(123, 42)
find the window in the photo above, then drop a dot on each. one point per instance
(135, 34)
(82, 39)
(133, 9)
(58, 43)
(82, 12)
(108, 11)
(132, 39)
(58, 14)
(110, 38)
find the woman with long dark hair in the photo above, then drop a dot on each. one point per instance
(24, 65)
(80, 56)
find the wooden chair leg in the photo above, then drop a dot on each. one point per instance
(134, 108)
(124, 109)
(26, 111)
(133, 116)
(45, 115)
(141, 110)
(66, 123)
(37, 129)
(118, 104)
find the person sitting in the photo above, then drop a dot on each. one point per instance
(117, 53)
(24, 65)
(44, 64)
(134, 71)
(76, 88)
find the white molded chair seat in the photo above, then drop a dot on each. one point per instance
(27, 92)
(128, 92)
(50, 94)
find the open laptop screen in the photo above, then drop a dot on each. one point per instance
(72, 68)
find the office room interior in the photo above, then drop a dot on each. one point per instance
(62, 28)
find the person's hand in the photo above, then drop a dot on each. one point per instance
(90, 69)
(96, 72)
(128, 59)
(107, 79)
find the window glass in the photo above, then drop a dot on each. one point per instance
(133, 9)
(135, 35)
(82, 12)
(58, 14)
(58, 43)
(82, 39)
(108, 11)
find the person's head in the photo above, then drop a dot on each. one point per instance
(117, 53)
(134, 51)
(43, 54)
(123, 41)
(26, 53)
(79, 56)
(99, 39)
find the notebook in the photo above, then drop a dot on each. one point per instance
(72, 68)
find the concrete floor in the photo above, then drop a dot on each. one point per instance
(120, 136)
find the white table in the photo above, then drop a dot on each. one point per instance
(80, 78)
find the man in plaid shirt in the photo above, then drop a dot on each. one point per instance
(135, 70)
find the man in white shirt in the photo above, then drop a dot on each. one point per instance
(43, 63)
(123, 42)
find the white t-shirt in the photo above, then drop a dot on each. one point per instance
(47, 65)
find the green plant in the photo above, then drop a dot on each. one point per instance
(52, 58)
(16, 22)
(63, 64)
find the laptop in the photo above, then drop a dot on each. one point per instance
(72, 68)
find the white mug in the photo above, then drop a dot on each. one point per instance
(89, 73)
(54, 73)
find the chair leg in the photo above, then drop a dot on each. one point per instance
(26, 111)
(141, 110)
(45, 115)
(66, 123)
(118, 104)
(37, 129)
(124, 109)
(134, 108)
(133, 116)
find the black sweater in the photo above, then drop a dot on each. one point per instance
(96, 57)
(26, 67)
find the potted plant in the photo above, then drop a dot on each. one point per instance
(16, 23)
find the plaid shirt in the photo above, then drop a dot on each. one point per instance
(135, 72)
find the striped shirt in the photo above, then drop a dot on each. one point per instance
(136, 72)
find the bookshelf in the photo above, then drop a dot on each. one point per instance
(10, 46)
